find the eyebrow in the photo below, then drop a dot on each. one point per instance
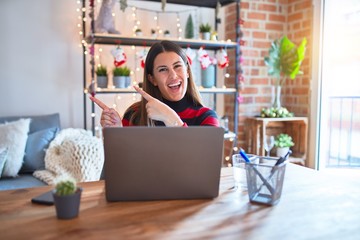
(161, 66)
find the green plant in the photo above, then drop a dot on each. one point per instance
(285, 59)
(283, 140)
(189, 28)
(153, 31)
(65, 187)
(121, 71)
(101, 71)
(205, 28)
(275, 112)
(166, 32)
(138, 30)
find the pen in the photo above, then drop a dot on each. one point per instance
(243, 154)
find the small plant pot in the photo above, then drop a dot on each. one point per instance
(67, 207)
(205, 35)
(127, 81)
(102, 81)
(119, 81)
(138, 34)
(280, 152)
(208, 77)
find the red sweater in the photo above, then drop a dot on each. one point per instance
(190, 114)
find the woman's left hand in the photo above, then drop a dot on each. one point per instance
(159, 111)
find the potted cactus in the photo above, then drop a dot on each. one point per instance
(67, 198)
(101, 76)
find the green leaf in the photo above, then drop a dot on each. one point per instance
(285, 58)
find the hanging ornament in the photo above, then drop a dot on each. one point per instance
(119, 56)
(163, 4)
(123, 5)
(92, 50)
(240, 99)
(222, 58)
(142, 56)
(204, 58)
(190, 54)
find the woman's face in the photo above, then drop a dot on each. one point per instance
(170, 75)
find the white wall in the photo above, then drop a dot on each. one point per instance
(41, 65)
(40, 62)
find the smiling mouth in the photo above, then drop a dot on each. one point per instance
(174, 85)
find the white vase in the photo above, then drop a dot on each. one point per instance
(276, 96)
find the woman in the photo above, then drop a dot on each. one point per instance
(169, 94)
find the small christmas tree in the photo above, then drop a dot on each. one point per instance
(189, 29)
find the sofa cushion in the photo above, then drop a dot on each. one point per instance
(13, 135)
(38, 122)
(3, 156)
(36, 145)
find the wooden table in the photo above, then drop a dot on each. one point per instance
(313, 206)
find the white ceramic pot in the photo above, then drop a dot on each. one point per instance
(281, 152)
(206, 36)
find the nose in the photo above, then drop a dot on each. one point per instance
(172, 73)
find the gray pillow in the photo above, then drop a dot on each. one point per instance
(3, 155)
(36, 145)
(38, 122)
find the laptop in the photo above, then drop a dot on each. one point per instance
(162, 163)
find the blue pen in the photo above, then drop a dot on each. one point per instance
(243, 154)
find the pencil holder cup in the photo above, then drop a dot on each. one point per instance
(265, 180)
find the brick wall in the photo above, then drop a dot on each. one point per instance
(264, 21)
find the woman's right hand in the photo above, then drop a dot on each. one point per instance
(109, 116)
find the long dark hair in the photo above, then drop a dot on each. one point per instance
(140, 115)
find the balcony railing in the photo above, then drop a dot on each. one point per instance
(344, 132)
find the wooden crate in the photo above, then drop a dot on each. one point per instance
(296, 127)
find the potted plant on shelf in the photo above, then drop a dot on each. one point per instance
(205, 30)
(283, 142)
(166, 33)
(153, 33)
(67, 198)
(121, 77)
(101, 76)
(138, 32)
(283, 62)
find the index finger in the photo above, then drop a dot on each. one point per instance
(143, 93)
(99, 103)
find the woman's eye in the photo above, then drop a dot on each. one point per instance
(162, 69)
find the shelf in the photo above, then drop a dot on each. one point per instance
(198, 3)
(116, 39)
(201, 90)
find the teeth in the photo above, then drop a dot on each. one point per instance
(174, 84)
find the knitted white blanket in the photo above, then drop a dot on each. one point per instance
(73, 153)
